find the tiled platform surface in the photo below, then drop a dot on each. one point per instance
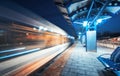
(82, 63)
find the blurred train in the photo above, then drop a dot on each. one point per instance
(26, 38)
(24, 33)
(25, 44)
(14, 33)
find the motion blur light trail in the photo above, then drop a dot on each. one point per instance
(20, 53)
(22, 48)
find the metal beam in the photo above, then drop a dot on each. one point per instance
(90, 10)
(99, 13)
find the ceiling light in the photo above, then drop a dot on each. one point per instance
(115, 4)
(80, 9)
(99, 20)
(110, 4)
(85, 23)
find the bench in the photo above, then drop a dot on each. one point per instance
(111, 63)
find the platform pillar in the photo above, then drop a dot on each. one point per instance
(91, 42)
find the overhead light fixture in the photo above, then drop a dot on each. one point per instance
(110, 4)
(102, 19)
(115, 4)
(85, 23)
(99, 21)
(79, 33)
(80, 9)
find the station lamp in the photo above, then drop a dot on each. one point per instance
(85, 23)
(99, 21)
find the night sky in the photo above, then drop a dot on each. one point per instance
(112, 25)
(48, 10)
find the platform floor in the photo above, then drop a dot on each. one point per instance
(82, 63)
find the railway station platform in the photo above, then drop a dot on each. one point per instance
(79, 63)
(35, 41)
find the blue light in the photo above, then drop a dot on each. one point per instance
(99, 21)
(20, 53)
(22, 48)
(85, 23)
(102, 19)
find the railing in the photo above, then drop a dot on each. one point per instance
(109, 43)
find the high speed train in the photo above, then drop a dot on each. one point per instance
(26, 42)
